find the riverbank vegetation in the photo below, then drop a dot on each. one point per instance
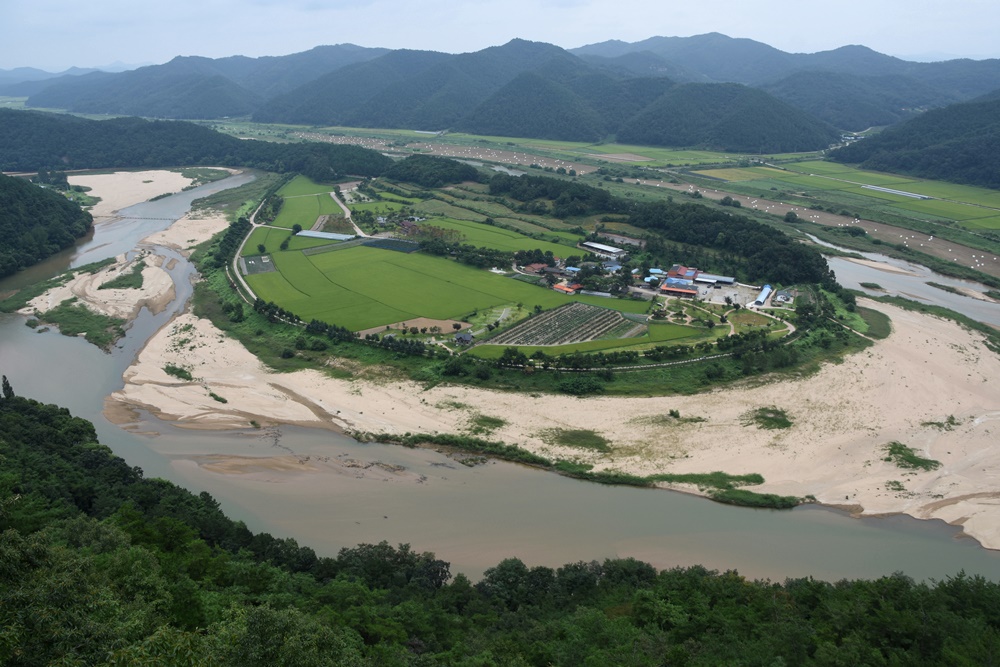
(718, 486)
(75, 319)
(105, 566)
(904, 457)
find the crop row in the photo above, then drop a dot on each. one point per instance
(573, 323)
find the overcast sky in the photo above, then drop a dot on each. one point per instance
(56, 34)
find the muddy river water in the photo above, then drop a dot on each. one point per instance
(470, 516)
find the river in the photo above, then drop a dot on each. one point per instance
(911, 283)
(471, 517)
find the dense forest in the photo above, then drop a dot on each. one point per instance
(103, 566)
(959, 143)
(31, 140)
(856, 103)
(430, 171)
(730, 117)
(35, 223)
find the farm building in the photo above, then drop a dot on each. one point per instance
(762, 297)
(678, 271)
(678, 291)
(602, 250)
(624, 240)
(535, 268)
(783, 296)
(611, 267)
(564, 288)
(679, 287)
(463, 338)
(712, 279)
(325, 235)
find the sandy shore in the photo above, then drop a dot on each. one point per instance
(888, 268)
(126, 188)
(156, 292)
(194, 228)
(844, 416)
(120, 190)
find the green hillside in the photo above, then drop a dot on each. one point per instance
(35, 223)
(727, 117)
(960, 143)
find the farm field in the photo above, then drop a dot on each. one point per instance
(272, 238)
(300, 185)
(969, 207)
(657, 334)
(304, 210)
(363, 287)
(487, 236)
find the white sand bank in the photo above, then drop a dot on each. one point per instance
(844, 415)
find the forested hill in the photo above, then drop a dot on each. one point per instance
(31, 140)
(960, 143)
(856, 103)
(729, 117)
(35, 223)
(102, 566)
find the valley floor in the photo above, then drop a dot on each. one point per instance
(843, 416)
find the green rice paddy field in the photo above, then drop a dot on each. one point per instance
(969, 207)
(363, 287)
(486, 236)
(272, 238)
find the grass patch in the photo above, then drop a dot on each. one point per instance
(947, 425)
(218, 398)
(993, 294)
(178, 372)
(947, 288)
(576, 438)
(874, 286)
(74, 320)
(879, 324)
(714, 480)
(129, 280)
(894, 485)
(484, 424)
(767, 417)
(745, 498)
(672, 418)
(905, 457)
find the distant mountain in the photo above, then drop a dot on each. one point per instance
(718, 58)
(416, 89)
(534, 89)
(727, 117)
(196, 87)
(959, 143)
(856, 103)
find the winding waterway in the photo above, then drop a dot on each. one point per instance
(472, 517)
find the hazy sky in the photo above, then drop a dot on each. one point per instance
(56, 34)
